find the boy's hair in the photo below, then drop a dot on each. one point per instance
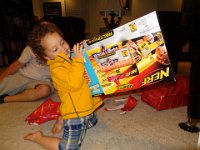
(39, 32)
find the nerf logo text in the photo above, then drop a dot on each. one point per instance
(156, 76)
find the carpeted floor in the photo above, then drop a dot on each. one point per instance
(143, 128)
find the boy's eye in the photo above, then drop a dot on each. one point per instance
(54, 50)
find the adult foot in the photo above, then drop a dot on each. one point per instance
(58, 126)
(33, 136)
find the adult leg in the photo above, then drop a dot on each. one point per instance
(20, 88)
(13, 84)
(31, 94)
(48, 142)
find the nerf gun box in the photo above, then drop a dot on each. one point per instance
(128, 57)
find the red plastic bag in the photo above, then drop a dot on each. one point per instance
(130, 104)
(167, 95)
(47, 111)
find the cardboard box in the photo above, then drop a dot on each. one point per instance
(129, 57)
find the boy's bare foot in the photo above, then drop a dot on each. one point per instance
(58, 126)
(32, 136)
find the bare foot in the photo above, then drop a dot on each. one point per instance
(33, 136)
(58, 126)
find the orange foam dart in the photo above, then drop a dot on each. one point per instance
(130, 104)
(120, 64)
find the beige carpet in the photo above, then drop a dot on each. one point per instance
(143, 128)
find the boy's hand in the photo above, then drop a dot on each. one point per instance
(78, 50)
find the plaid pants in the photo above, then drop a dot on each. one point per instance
(74, 131)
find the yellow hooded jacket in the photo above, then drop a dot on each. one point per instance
(72, 87)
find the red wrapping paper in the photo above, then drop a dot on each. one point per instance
(130, 104)
(168, 95)
(47, 111)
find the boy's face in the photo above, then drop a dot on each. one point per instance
(53, 44)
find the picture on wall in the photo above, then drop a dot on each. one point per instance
(52, 9)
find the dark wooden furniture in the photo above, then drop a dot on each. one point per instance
(16, 18)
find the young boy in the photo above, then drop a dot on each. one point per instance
(77, 104)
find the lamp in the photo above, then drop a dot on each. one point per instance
(112, 10)
(113, 14)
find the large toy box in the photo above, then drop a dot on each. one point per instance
(129, 57)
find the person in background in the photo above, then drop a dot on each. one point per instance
(26, 79)
(77, 104)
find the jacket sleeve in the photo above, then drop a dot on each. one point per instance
(68, 76)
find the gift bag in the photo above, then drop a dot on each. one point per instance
(168, 95)
(47, 111)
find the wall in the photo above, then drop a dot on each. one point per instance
(138, 8)
(172, 5)
(76, 8)
(89, 10)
